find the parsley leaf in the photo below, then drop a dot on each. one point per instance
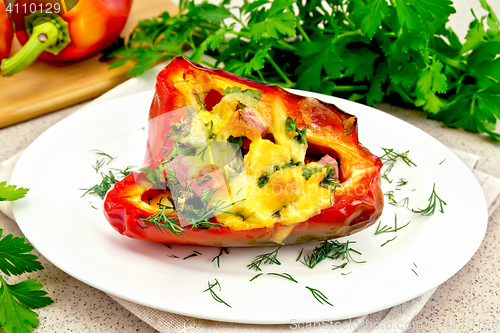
(369, 17)
(359, 64)
(316, 57)
(291, 126)
(11, 192)
(237, 141)
(17, 298)
(279, 19)
(472, 110)
(14, 256)
(14, 317)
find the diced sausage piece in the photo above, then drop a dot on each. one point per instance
(330, 160)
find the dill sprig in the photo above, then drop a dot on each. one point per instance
(101, 153)
(320, 297)
(285, 276)
(434, 199)
(339, 266)
(222, 250)
(401, 182)
(124, 172)
(256, 276)
(108, 180)
(101, 162)
(405, 202)
(391, 198)
(390, 240)
(414, 270)
(164, 219)
(331, 249)
(266, 258)
(300, 254)
(386, 228)
(195, 211)
(389, 159)
(202, 153)
(212, 292)
(194, 254)
(384, 176)
(98, 165)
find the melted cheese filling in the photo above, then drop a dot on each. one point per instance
(287, 197)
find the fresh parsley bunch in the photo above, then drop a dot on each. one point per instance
(396, 51)
(15, 259)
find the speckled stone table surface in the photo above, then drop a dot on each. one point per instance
(81, 308)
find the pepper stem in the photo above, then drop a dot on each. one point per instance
(48, 32)
(43, 36)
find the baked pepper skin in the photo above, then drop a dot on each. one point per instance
(6, 34)
(357, 203)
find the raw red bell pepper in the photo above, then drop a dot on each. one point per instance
(330, 184)
(6, 34)
(54, 33)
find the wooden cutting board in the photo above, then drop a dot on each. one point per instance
(43, 88)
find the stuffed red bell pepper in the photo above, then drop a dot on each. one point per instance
(6, 34)
(234, 162)
(55, 33)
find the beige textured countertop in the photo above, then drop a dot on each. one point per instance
(472, 294)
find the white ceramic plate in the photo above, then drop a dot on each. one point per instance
(69, 232)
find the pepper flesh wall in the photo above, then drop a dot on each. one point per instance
(297, 172)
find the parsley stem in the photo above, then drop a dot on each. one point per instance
(288, 83)
(403, 94)
(261, 76)
(346, 17)
(302, 31)
(237, 19)
(452, 62)
(347, 34)
(286, 45)
(349, 88)
(471, 112)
